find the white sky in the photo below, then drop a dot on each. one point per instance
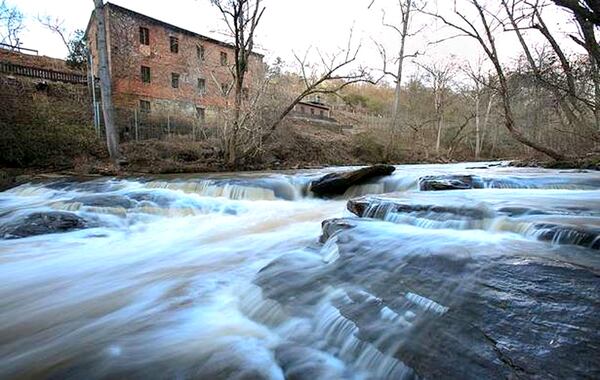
(288, 26)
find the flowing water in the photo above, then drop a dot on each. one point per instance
(224, 276)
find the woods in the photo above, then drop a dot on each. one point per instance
(468, 80)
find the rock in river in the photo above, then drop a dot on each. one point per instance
(405, 302)
(449, 182)
(334, 184)
(41, 223)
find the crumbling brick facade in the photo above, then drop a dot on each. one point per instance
(163, 70)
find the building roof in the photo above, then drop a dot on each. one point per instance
(315, 104)
(166, 25)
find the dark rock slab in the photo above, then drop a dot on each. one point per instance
(449, 182)
(334, 184)
(41, 223)
(450, 309)
(377, 207)
(588, 237)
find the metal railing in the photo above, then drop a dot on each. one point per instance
(34, 72)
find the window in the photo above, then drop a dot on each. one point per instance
(223, 58)
(145, 74)
(302, 109)
(174, 80)
(200, 52)
(245, 93)
(201, 85)
(201, 113)
(312, 111)
(321, 113)
(174, 42)
(144, 106)
(144, 36)
(224, 88)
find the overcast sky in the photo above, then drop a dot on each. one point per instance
(290, 26)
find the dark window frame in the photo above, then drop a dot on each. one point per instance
(174, 44)
(145, 106)
(225, 89)
(175, 80)
(146, 74)
(201, 113)
(224, 58)
(202, 86)
(201, 52)
(144, 35)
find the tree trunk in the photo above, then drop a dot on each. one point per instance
(398, 90)
(112, 137)
(477, 129)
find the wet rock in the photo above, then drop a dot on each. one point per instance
(41, 223)
(449, 182)
(334, 184)
(564, 234)
(379, 207)
(104, 201)
(332, 226)
(408, 299)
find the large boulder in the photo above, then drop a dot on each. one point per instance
(334, 184)
(41, 223)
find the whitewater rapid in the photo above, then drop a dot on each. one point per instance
(208, 276)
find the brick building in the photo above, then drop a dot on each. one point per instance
(312, 109)
(160, 69)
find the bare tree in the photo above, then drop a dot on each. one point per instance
(112, 137)
(73, 41)
(440, 74)
(482, 30)
(402, 28)
(11, 25)
(523, 15)
(587, 17)
(242, 18)
(480, 87)
(327, 78)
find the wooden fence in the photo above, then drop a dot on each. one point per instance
(34, 72)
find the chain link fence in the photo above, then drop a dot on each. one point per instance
(136, 125)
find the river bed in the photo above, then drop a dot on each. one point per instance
(224, 276)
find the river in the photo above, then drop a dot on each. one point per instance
(224, 276)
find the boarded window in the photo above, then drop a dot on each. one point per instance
(223, 58)
(174, 42)
(224, 88)
(145, 74)
(144, 36)
(200, 52)
(174, 80)
(201, 85)
(144, 106)
(201, 113)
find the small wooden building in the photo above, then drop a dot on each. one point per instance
(313, 109)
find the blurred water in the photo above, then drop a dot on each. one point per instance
(163, 283)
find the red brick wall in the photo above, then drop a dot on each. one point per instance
(128, 55)
(38, 61)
